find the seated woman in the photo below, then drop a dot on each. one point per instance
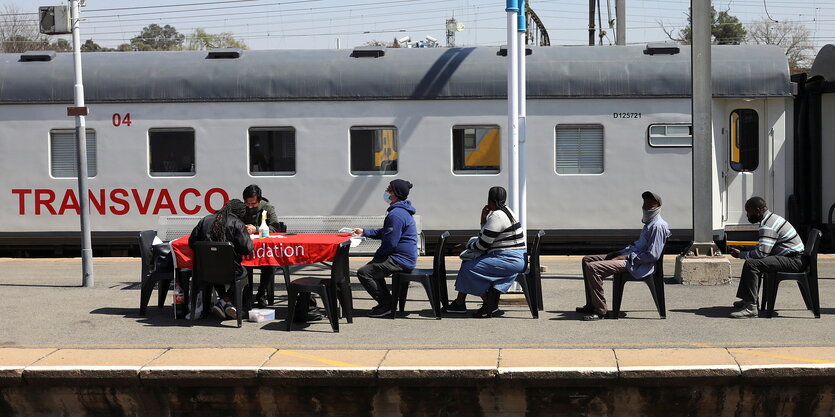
(503, 242)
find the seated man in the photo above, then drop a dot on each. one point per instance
(225, 226)
(256, 206)
(780, 249)
(638, 258)
(398, 249)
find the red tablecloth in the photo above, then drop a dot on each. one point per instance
(278, 249)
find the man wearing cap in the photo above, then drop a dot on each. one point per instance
(398, 246)
(638, 258)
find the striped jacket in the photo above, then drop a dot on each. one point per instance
(777, 237)
(498, 233)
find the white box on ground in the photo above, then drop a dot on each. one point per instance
(261, 314)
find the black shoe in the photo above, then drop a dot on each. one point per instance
(585, 309)
(593, 317)
(315, 315)
(380, 311)
(481, 313)
(261, 301)
(454, 307)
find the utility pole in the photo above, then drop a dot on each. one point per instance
(700, 263)
(451, 26)
(512, 10)
(620, 15)
(522, 28)
(591, 22)
(80, 111)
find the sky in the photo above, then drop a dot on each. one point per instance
(321, 24)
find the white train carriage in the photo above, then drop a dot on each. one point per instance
(323, 131)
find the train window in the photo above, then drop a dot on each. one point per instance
(62, 152)
(171, 152)
(670, 136)
(272, 151)
(476, 149)
(579, 149)
(744, 140)
(374, 150)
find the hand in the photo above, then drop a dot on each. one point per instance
(733, 251)
(357, 232)
(251, 229)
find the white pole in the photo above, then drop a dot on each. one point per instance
(523, 110)
(513, 105)
(81, 142)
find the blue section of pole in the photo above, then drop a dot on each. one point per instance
(522, 26)
(512, 6)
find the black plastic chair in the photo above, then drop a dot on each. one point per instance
(214, 263)
(528, 280)
(806, 280)
(655, 283)
(333, 289)
(150, 275)
(431, 279)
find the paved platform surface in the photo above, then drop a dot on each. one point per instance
(43, 306)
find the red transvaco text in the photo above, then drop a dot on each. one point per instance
(120, 201)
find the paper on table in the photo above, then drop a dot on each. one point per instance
(355, 241)
(346, 230)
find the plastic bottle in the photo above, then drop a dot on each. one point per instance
(263, 229)
(180, 307)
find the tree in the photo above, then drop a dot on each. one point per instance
(725, 29)
(158, 38)
(60, 45)
(200, 40)
(791, 36)
(19, 33)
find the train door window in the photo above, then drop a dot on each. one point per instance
(171, 152)
(62, 153)
(579, 149)
(272, 151)
(476, 149)
(670, 136)
(373, 150)
(744, 140)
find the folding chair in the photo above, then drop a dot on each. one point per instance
(150, 275)
(655, 283)
(214, 263)
(335, 289)
(431, 279)
(806, 280)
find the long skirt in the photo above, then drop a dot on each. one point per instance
(497, 269)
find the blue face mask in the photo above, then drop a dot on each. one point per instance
(387, 198)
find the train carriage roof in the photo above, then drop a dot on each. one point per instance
(401, 74)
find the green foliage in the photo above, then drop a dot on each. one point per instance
(158, 38)
(725, 29)
(200, 40)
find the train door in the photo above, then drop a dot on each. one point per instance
(745, 167)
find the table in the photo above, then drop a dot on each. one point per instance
(278, 249)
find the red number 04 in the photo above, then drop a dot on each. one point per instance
(119, 120)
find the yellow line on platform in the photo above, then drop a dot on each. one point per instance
(316, 358)
(771, 355)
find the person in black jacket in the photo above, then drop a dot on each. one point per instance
(225, 226)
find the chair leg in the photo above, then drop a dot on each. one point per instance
(442, 290)
(492, 301)
(404, 293)
(395, 295)
(192, 292)
(328, 300)
(773, 284)
(347, 300)
(432, 292)
(162, 292)
(765, 288)
(803, 286)
(539, 304)
(617, 296)
(814, 292)
(291, 306)
(240, 287)
(653, 291)
(530, 294)
(145, 289)
(661, 303)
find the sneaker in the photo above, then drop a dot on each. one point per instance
(231, 311)
(481, 313)
(454, 307)
(749, 310)
(593, 317)
(739, 304)
(585, 309)
(218, 308)
(380, 311)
